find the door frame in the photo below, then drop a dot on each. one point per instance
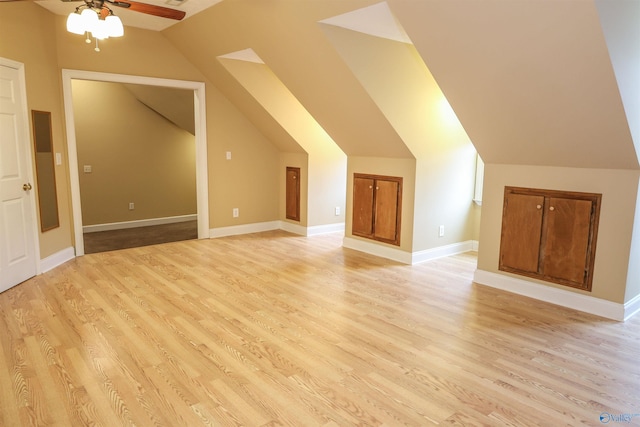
(202, 184)
(28, 147)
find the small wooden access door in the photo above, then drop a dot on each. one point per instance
(377, 202)
(550, 235)
(293, 194)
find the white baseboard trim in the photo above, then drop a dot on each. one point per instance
(442, 251)
(406, 257)
(138, 223)
(317, 230)
(234, 230)
(576, 301)
(59, 258)
(377, 250)
(293, 228)
(632, 307)
(275, 225)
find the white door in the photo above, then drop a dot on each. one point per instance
(17, 216)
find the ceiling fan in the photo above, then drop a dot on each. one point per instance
(95, 18)
(149, 9)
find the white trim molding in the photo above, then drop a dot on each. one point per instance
(443, 251)
(138, 223)
(276, 225)
(317, 230)
(632, 307)
(377, 250)
(564, 298)
(314, 230)
(199, 101)
(59, 258)
(235, 230)
(293, 228)
(407, 257)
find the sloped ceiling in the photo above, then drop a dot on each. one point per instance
(258, 79)
(175, 105)
(620, 22)
(531, 82)
(287, 36)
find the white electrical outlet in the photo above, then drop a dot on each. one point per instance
(131, 206)
(337, 210)
(228, 155)
(441, 231)
(87, 168)
(236, 212)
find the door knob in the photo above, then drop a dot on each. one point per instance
(27, 186)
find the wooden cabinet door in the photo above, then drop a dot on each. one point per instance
(386, 210)
(550, 235)
(362, 206)
(293, 194)
(377, 202)
(565, 247)
(521, 232)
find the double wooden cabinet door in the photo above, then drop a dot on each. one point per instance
(377, 202)
(550, 235)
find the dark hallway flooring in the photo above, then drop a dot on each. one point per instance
(103, 241)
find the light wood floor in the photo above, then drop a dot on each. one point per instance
(275, 329)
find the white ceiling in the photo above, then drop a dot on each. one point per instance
(137, 19)
(376, 20)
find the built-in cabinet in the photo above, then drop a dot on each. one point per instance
(377, 202)
(292, 198)
(550, 235)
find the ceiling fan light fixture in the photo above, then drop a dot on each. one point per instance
(114, 25)
(96, 20)
(89, 19)
(100, 30)
(75, 24)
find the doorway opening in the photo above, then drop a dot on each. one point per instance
(78, 173)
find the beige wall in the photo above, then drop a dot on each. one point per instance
(37, 38)
(633, 272)
(32, 42)
(327, 187)
(296, 160)
(325, 178)
(402, 87)
(615, 230)
(249, 180)
(136, 156)
(405, 168)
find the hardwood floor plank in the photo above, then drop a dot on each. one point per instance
(274, 329)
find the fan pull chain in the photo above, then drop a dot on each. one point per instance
(97, 49)
(88, 39)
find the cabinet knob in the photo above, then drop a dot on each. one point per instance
(552, 208)
(538, 206)
(370, 186)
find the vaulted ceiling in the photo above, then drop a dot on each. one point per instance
(531, 82)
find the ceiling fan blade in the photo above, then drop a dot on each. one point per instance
(150, 9)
